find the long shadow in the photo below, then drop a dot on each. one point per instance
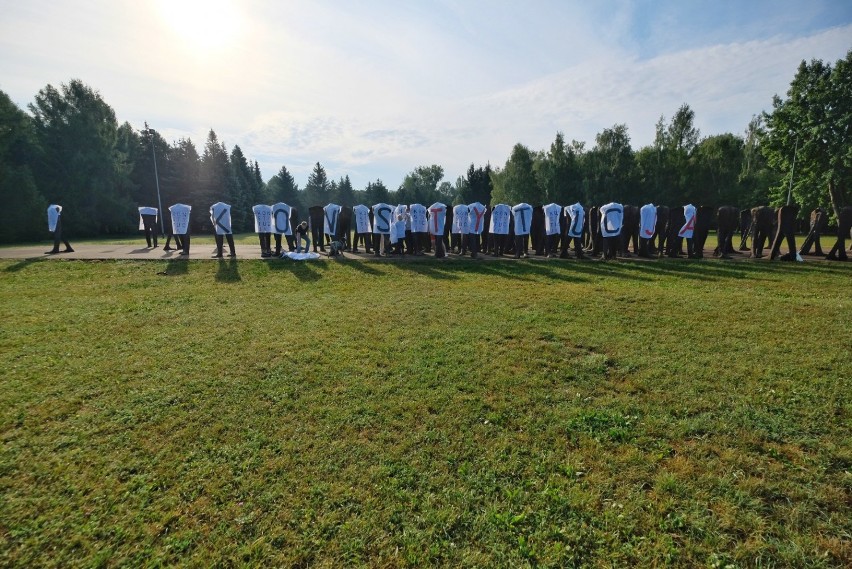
(569, 269)
(21, 265)
(434, 269)
(303, 270)
(364, 267)
(140, 251)
(175, 267)
(228, 271)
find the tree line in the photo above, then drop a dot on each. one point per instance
(70, 149)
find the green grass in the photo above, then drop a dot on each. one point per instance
(328, 414)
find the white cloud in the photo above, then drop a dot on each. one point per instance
(373, 90)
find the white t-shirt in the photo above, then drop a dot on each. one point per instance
(688, 227)
(146, 211)
(180, 218)
(647, 220)
(382, 214)
(362, 219)
(417, 213)
(281, 219)
(612, 217)
(402, 210)
(437, 218)
(475, 222)
(552, 213)
(331, 215)
(500, 219)
(53, 213)
(220, 215)
(460, 219)
(397, 231)
(522, 213)
(262, 218)
(576, 217)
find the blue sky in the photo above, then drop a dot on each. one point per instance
(373, 89)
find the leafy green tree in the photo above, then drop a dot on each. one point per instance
(559, 172)
(376, 192)
(517, 182)
(78, 166)
(756, 176)
(22, 216)
(663, 170)
(814, 125)
(610, 168)
(476, 186)
(714, 171)
(446, 193)
(420, 186)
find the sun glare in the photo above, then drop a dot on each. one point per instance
(204, 25)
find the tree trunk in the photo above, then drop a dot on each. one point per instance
(835, 193)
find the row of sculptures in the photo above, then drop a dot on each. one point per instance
(609, 230)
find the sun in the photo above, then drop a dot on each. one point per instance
(203, 25)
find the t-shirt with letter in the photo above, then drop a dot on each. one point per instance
(362, 219)
(552, 213)
(460, 220)
(281, 219)
(688, 227)
(647, 220)
(220, 215)
(382, 214)
(437, 218)
(500, 219)
(262, 218)
(331, 214)
(53, 213)
(417, 213)
(576, 217)
(612, 217)
(522, 214)
(146, 211)
(180, 218)
(476, 213)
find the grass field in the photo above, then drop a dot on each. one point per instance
(672, 413)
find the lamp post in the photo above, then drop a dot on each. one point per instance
(792, 170)
(151, 132)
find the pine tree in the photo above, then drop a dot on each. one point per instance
(344, 195)
(78, 166)
(317, 190)
(22, 214)
(283, 188)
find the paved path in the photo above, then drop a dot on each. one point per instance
(203, 248)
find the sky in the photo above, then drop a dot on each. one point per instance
(373, 89)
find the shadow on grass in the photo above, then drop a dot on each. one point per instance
(308, 271)
(175, 267)
(366, 268)
(23, 264)
(228, 271)
(434, 269)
